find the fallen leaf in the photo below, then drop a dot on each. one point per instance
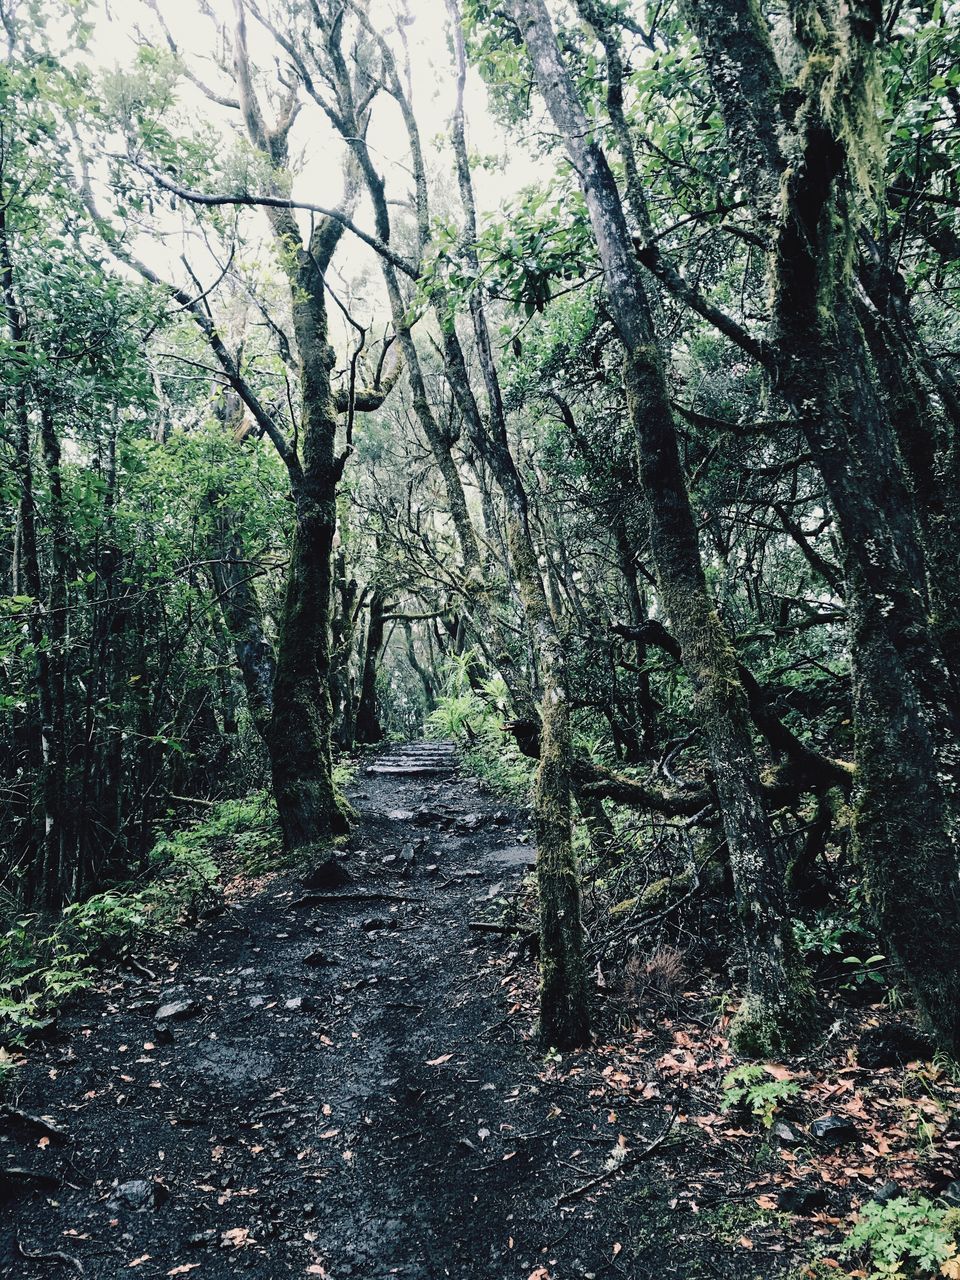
(237, 1236)
(437, 1062)
(138, 1262)
(183, 1269)
(777, 1071)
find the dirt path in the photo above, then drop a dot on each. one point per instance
(348, 1093)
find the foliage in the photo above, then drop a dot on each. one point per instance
(44, 964)
(244, 830)
(474, 718)
(909, 1238)
(752, 1086)
(842, 948)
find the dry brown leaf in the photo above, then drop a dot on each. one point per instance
(237, 1236)
(778, 1071)
(438, 1062)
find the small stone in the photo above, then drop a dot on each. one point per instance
(301, 1004)
(377, 922)
(785, 1135)
(834, 1131)
(177, 1010)
(256, 1002)
(138, 1194)
(200, 1239)
(400, 815)
(428, 817)
(951, 1194)
(317, 958)
(802, 1200)
(389, 860)
(432, 869)
(889, 1191)
(326, 875)
(407, 855)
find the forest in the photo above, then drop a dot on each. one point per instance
(495, 465)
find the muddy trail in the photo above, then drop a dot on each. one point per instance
(347, 1087)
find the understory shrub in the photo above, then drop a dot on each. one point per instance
(908, 1238)
(44, 962)
(753, 1087)
(473, 719)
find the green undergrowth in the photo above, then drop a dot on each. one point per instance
(909, 1238)
(473, 718)
(752, 1088)
(46, 960)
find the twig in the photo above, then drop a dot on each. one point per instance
(15, 1174)
(56, 1256)
(625, 1165)
(487, 926)
(309, 898)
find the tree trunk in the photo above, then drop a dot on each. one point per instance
(300, 752)
(59, 877)
(564, 1016)
(774, 1010)
(231, 573)
(368, 727)
(309, 807)
(905, 701)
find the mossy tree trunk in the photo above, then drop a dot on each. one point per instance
(299, 736)
(564, 1015)
(233, 578)
(368, 727)
(774, 1010)
(877, 455)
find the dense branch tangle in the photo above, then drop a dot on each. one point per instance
(696, 388)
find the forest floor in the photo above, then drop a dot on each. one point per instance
(353, 1089)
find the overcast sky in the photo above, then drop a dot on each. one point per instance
(316, 152)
